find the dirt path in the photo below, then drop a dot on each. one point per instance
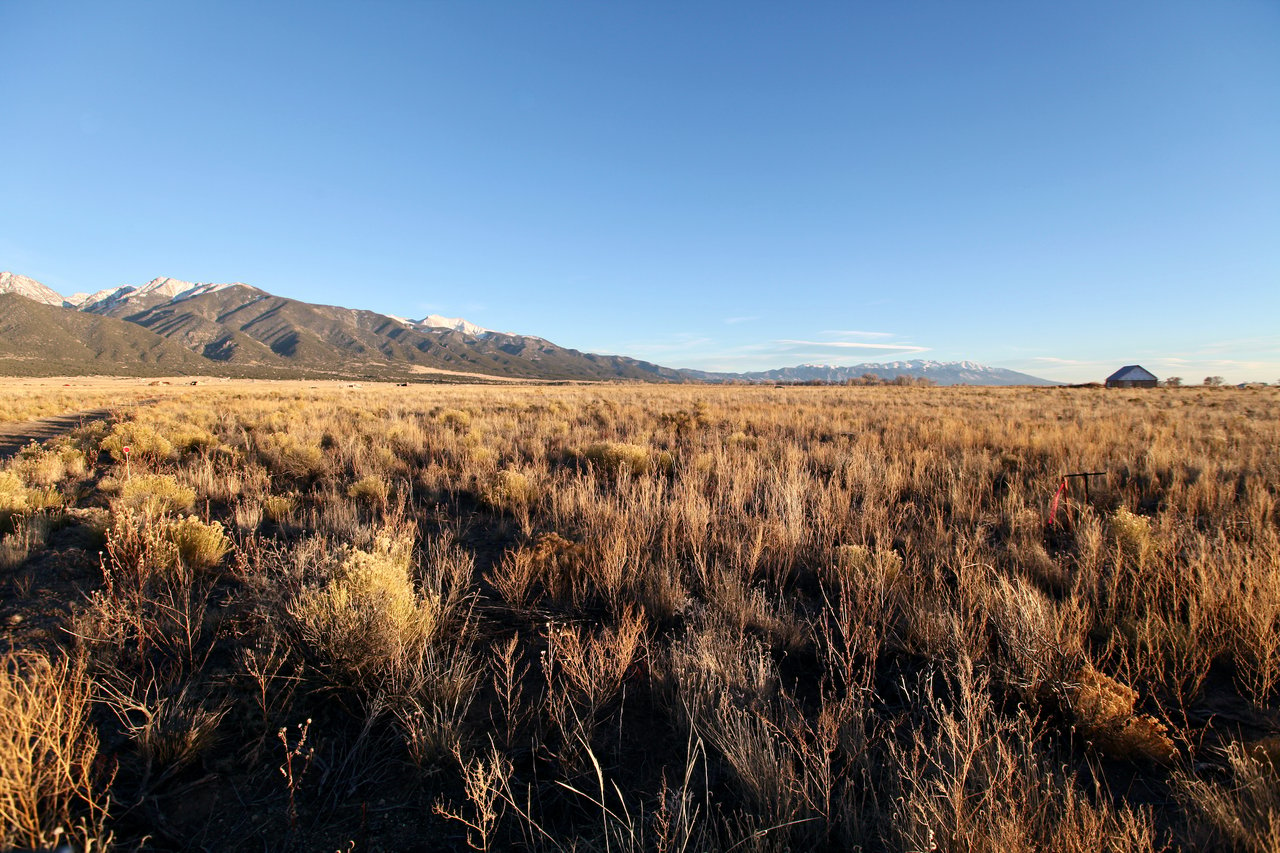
(14, 437)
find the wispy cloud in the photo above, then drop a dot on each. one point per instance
(853, 345)
(706, 352)
(1069, 362)
(843, 333)
(1263, 343)
(733, 321)
(666, 346)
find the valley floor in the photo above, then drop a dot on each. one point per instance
(317, 615)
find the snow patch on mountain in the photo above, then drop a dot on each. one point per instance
(940, 372)
(457, 324)
(161, 289)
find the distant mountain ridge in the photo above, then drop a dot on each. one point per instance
(118, 301)
(939, 372)
(30, 288)
(234, 328)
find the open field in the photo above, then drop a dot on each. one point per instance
(314, 617)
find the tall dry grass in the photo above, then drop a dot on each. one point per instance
(644, 618)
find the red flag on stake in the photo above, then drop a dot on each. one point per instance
(1053, 507)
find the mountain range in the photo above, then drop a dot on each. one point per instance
(168, 326)
(937, 372)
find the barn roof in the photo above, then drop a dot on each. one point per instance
(1131, 373)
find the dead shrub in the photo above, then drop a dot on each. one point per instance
(553, 566)
(169, 731)
(1103, 711)
(30, 535)
(969, 779)
(1132, 535)
(51, 792)
(138, 550)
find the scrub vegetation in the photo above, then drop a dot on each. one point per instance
(627, 618)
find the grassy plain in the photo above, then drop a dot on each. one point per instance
(645, 618)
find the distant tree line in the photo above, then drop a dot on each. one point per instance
(1209, 382)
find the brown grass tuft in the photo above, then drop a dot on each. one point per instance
(51, 790)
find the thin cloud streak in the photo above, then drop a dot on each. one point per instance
(856, 345)
(841, 333)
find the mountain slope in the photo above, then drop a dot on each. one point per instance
(38, 339)
(240, 325)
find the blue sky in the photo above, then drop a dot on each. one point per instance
(1060, 188)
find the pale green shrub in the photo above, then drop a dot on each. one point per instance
(284, 454)
(14, 496)
(278, 507)
(508, 489)
(201, 545)
(455, 419)
(143, 441)
(1132, 535)
(371, 490)
(615, 457)
(190, 438)
(38, 466)
(155, 493)
(368, 620)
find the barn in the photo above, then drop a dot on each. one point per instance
(1132, 376)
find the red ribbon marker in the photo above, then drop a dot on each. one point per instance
(1053, 508)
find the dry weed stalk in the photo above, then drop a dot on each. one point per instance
(51, 788)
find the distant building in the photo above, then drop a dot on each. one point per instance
(1132, 376)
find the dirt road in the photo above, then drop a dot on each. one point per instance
(14, 437)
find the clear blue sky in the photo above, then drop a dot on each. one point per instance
(1059, 188)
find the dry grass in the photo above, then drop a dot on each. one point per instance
(633, 618)
(51, 789)
(1244, 813)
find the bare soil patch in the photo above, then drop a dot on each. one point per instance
(14, 437)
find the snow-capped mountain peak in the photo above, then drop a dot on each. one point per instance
(30, 288)
(161, 289)
(941, 372)
(436, 321)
